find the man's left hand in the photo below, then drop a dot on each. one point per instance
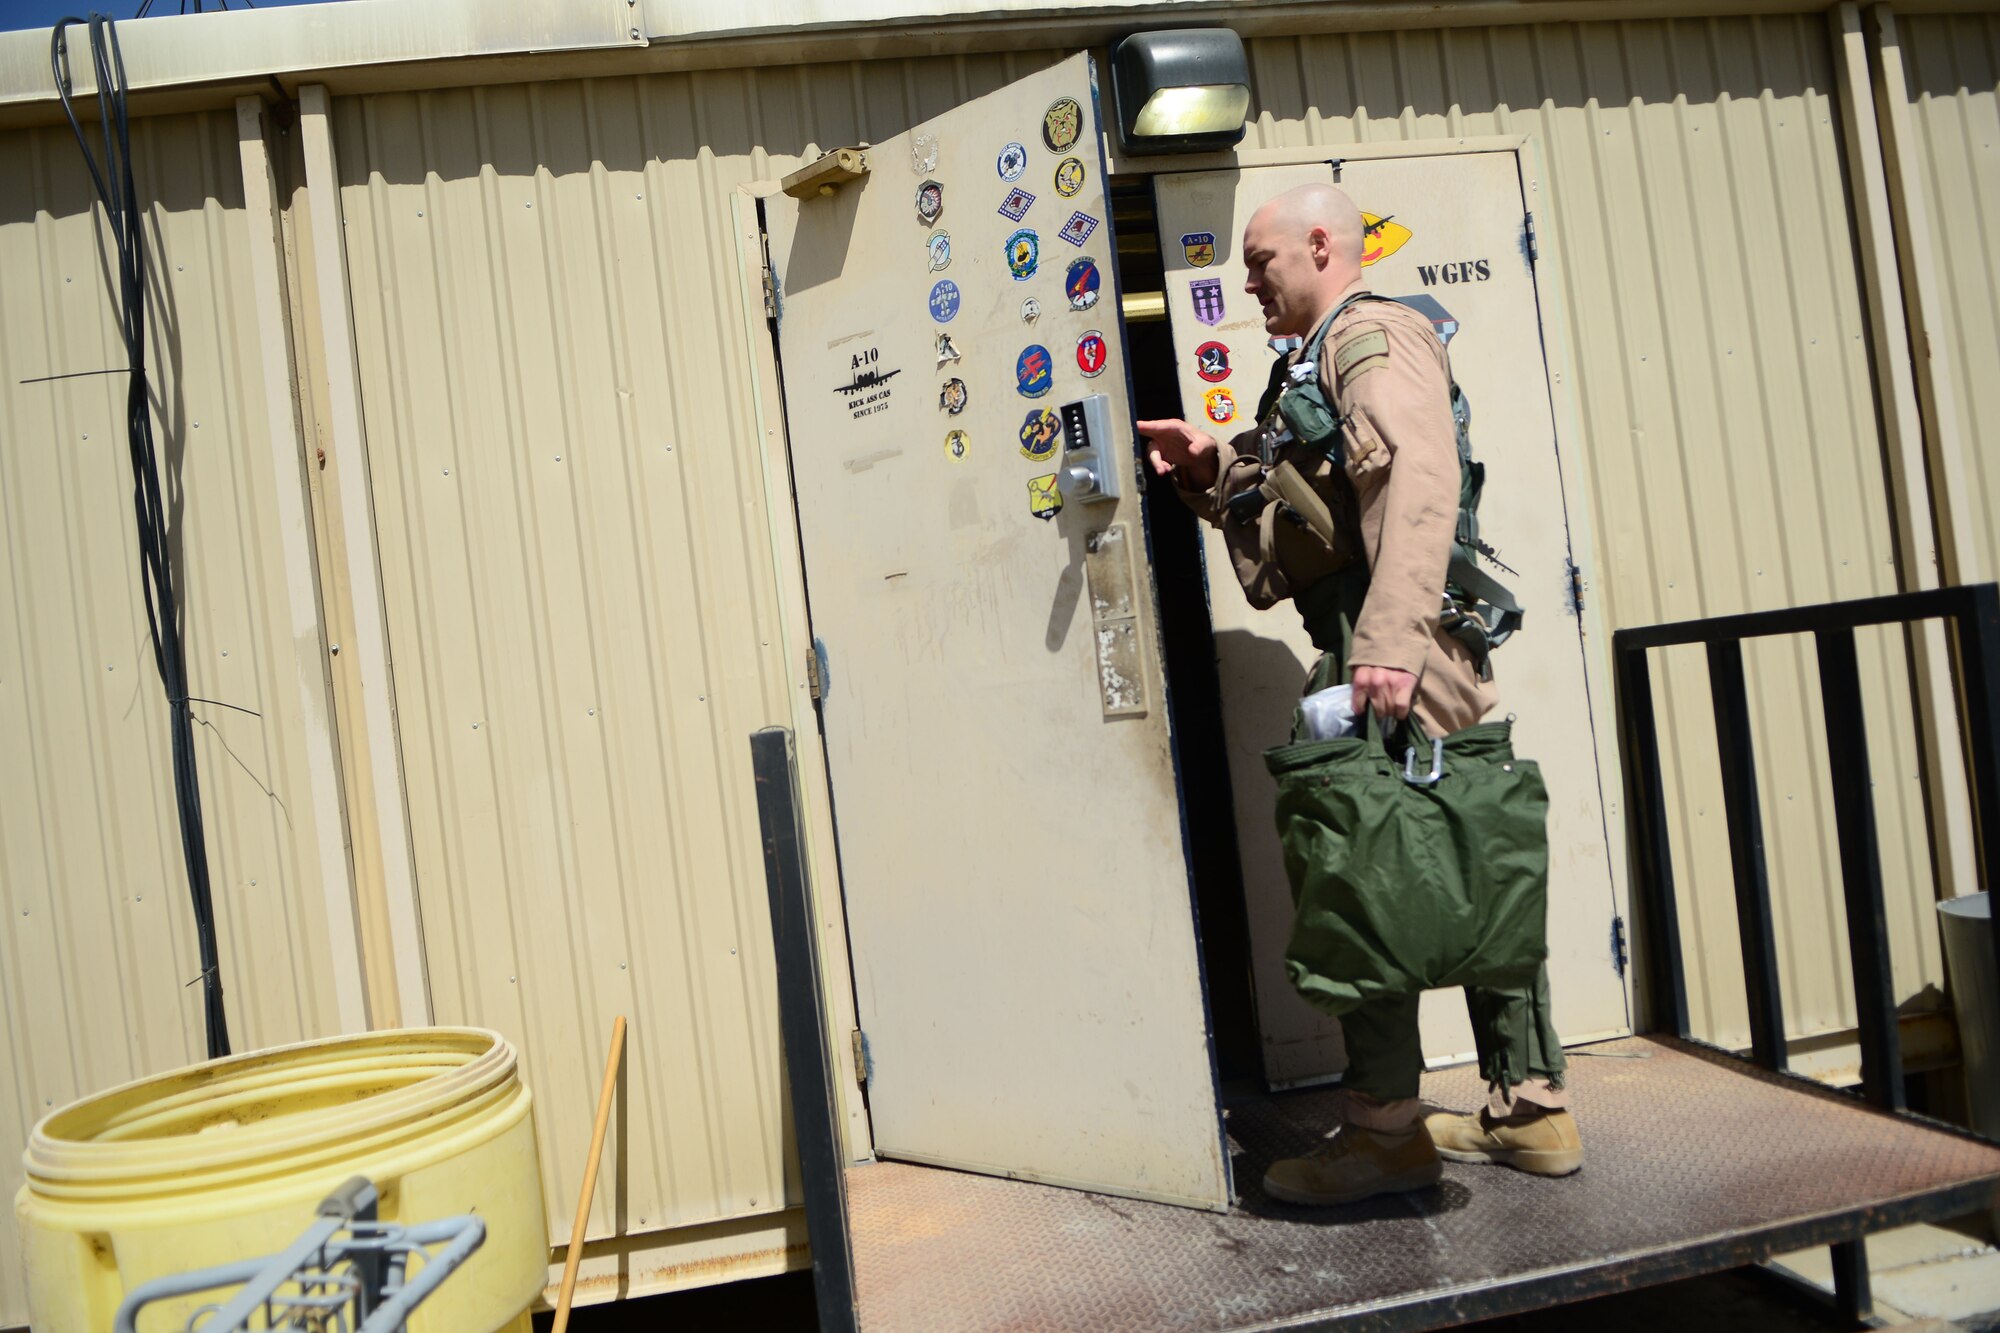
(1386, 690)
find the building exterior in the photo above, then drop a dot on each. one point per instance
(466, 384)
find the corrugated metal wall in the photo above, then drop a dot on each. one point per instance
(1952, 63)
(99, 941)
(577, 560)
(1694, 202)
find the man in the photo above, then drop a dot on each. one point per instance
(1393, 491)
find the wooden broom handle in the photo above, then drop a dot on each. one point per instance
(590, 1175)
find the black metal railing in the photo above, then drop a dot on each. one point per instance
(1973, 613)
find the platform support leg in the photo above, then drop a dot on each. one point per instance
(1851, 1294)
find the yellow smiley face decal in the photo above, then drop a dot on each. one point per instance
(1384, 237)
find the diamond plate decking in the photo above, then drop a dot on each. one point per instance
(1696, 1162)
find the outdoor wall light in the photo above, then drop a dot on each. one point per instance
(1185, 90)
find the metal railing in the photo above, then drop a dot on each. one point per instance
(1973, 613)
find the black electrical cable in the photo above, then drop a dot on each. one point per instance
(120, 198)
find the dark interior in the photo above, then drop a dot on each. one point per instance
(1193, 691)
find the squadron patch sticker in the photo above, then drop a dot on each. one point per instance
(1031, 310)
(1211, 362)
(930, 202)
(940, 250)
(1069, 177)
(1024, 254)
(1207, 294)
(923, 153)
(1077, 230)
(951, 398)
(1081, 283)
(944, 301)
(1044, 500)
(1198, 247)
(957, 445)
(1221, 406)
(1040, 430)
(1034, 371)
(1012, 162)
(1091, 354)
(946, 350)
(1381, 238)
(1016, 205)
(1062, 124)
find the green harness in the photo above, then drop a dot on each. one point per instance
(1478, 610)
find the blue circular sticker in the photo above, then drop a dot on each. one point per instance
(1024, 254)
(1040, 430)
(1081, 283)
(1012, 162)
(1035, 371)
(944, 301)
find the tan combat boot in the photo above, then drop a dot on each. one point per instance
(1533, 1139)
(1356, 1164)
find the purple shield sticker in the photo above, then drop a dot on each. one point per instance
(1207, 294)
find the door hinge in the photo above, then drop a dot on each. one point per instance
(815, 684)
(1528, 234)
(1575, 589)
(860, 1043)
(770, 280)
(1618, 956)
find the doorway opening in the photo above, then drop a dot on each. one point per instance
(1194, 694)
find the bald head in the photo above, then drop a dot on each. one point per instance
(1302, 249)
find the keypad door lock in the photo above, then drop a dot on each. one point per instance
(1090, 465)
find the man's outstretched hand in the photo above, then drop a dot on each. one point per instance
(1386, 690)
(1175, 444)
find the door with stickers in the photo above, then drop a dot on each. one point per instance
(1008, 811)
(1448, 233)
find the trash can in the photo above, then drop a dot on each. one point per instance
(1967, 924)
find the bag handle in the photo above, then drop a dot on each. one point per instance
(1413, 734)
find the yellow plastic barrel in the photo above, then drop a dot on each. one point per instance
(229, 1160)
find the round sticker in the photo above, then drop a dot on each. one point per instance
(952, 397)
(1031, 310)
(1069, 177)
(1062, 123)
(1034, 371)
(940, 248)
(944, 301)
(1024, 254)
(930, 202)
(1081, 283)
(1091, 354)
(1211, 362)
(1221, 406)
(956, 445)
(1013, 161)
(1040, 431)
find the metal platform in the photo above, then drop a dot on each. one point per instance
(1696, 1163)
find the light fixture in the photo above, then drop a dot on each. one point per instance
(1183, 90)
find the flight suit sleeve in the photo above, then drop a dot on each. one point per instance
(1390, 383)
(1236, 469)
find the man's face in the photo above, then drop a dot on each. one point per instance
(1282, 274)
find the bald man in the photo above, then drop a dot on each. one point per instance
(1371, 600)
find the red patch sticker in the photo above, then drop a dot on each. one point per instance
(1211, 362)
(1221, 406)
(1091, 354)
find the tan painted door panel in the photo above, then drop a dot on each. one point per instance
(1004, 789)
(1454, 232)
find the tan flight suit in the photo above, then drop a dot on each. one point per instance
(1385, 371)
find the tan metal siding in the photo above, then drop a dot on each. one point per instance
(577, 558)
(99, 943)
(1693, 199)
(1952, 63)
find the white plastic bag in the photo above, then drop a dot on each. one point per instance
(1329, 713)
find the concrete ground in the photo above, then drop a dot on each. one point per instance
(1926, 1280)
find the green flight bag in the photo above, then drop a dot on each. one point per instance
(1415, 873)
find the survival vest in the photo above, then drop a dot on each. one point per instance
(1478, 610)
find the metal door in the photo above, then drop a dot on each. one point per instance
(1008, 812)
(1453, 229)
